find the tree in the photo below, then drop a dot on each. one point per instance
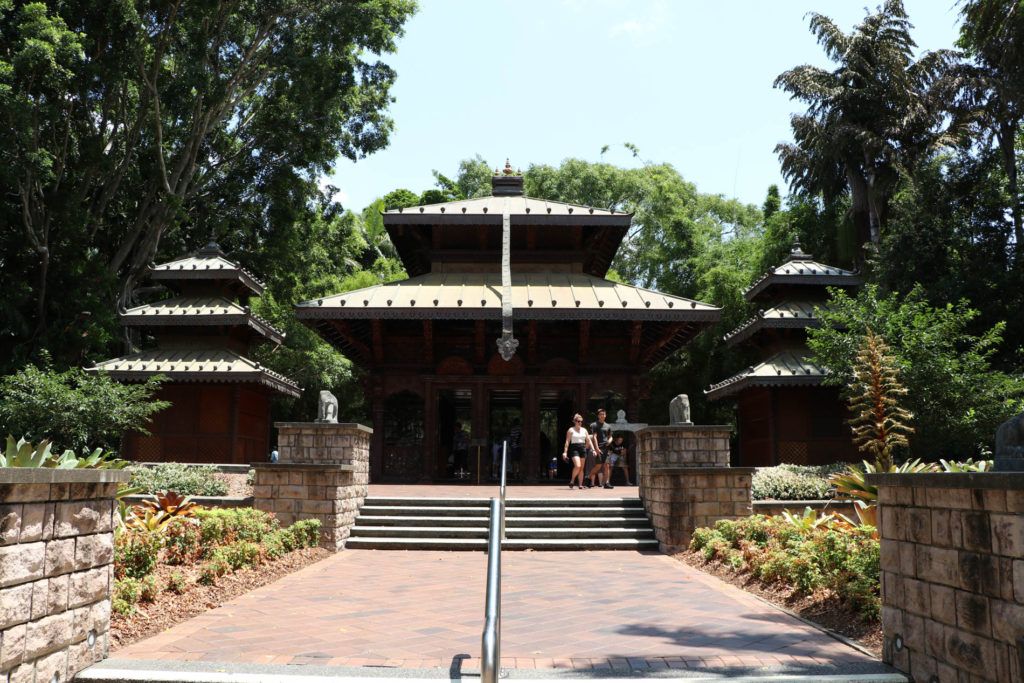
(869, 120)
(73, 409)
(135, 123)
(957, 397)
(992, 34)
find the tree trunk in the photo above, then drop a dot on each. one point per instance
(860, 210)
(1007, 145)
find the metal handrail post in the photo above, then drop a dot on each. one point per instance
(490, 657)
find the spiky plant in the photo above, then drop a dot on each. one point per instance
(880, 423)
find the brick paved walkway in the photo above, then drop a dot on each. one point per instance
(584, 610)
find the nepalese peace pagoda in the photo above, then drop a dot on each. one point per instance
(506, 316)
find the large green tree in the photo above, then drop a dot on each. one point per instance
(869, 120)
(141, 128)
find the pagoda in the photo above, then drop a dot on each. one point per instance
(784, 412)
(220, 399)
(506, 316)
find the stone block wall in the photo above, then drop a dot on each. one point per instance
(684, 446)
(56, 571)
(953, 574)
(685, 481)
(681, 499)
(327, 444)
(323, 473)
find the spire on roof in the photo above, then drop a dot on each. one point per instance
(507, 183)
(796, 253)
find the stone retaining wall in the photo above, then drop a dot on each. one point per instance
(56, 571)
(685, 481)
(953, 574)
(323, 473)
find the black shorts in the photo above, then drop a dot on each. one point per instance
(576, 450)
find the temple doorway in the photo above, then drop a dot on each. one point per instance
(454, 407)
(506, 412)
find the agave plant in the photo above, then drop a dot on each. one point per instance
(968, 465)
(808, 521)
(23, 454)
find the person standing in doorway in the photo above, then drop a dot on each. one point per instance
(617, 458)
(460, 448)
(601, 433)
(515, 445)
(576, 441)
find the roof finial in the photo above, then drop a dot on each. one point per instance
(796, 252)
(508, 168)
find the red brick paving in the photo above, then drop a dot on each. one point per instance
(617, 610)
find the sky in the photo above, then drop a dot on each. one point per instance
(539, 81)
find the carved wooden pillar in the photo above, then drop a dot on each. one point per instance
(430, 468)
(377, 451)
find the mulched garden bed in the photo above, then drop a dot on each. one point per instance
(169, 608)
(822, 608)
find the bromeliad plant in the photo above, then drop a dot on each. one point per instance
(24, 454)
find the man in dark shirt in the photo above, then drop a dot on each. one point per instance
(601, 432)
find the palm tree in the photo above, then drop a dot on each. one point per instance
(869, 121)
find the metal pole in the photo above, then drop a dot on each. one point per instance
(504, 460)
(490, 656)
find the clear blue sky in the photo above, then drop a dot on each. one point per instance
(689, 83)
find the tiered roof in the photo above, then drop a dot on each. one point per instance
(795, 289)
(183, 353)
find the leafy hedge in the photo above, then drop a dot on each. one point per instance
(188, 480)
(808, 557)
(794, 482)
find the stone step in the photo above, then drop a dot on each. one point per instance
(462, 511)
(419, 532)
(510, 521)
(485, 502)
(384, 543)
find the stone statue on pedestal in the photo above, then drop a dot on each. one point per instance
(1009, 456)
(679, 410)
(327, 411)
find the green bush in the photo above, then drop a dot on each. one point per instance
(148, 588)
(833, 556)
(794, 482)
(307, 532)
(75, 409)
(241, 554)
(212, 570)
(188, 480)
(125, 595)
(135, 553)
(176, 583)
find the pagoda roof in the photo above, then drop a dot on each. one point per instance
(196, 310)
(523, 210)
(209, 263)
(788, 314)
(196, 365)
(535, 295)
(786, 368)
(800, 268)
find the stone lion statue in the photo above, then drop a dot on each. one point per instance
(1009, 455)
(327, 411)
(679, 410)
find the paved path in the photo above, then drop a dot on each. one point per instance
(617, 611)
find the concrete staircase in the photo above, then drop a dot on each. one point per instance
(530, 524)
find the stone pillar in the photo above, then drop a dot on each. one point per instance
(953, 574)
(322, 473)
(685, 481)
(56, 570)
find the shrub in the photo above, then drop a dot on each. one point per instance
(125, 595)
(135, 553)
(176, 583)
(212, 570)
(188, 480)
(307, 532)
(241, 554)
(793, 482)
(75, 409)
(181, 541)
(148, 588)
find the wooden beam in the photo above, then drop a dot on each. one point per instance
(670, 332)
(577, 237)
(479, 345)
(584, 341)
(531, 343)
(344, 330)
(428, 341)
(531, 237)
(481, 237)
(635, 337)
(378, 341)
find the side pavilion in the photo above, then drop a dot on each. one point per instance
(428, 343)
